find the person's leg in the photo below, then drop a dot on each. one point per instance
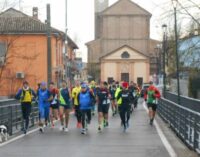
(61, 111)
(67, 112)
(28, 112)
(51, 116)
(23, 115)
(42, 118)
(100, 120)
(78, 115)
(105, 114)
(128, 113)
(89, 116)
(122, 116)
(83, 118)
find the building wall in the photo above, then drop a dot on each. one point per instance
(28, 54)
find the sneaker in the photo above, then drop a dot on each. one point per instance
(62, 128)
(127, 124)
(25, 131)
(41, 129)
(66, 130)
(83, 131)
(125, 127)
(106, 124)
(99, 129)
(151, 122)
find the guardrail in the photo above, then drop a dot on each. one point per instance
(184, 121)
(193, 104)
(11, 116)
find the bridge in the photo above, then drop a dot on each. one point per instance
(175, 133)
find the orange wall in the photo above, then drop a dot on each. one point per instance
(28, 54)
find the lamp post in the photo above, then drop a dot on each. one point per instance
(175, 3)
(164, 27)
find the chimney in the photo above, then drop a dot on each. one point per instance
(35, 12)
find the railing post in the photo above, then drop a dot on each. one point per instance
(11, 120)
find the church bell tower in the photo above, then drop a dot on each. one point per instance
(100, 5)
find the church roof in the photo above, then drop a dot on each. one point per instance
(108, 54)
(125, 7)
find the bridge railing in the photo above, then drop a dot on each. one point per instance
(183, 120)
(11, 116)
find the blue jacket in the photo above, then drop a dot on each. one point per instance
(85, 100)
(43, 96)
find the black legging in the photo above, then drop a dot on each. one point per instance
(26, 111)
(124, 115)
(85, 113)
(78, 113)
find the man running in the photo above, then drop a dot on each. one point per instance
(124, 99)
(112, 90)
(54, 106)
(44, 99)
(64, 109)
(103, 105)
(152, 95)
(85, 102)
(75, 92)
(25, 95)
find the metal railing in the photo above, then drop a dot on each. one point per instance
(184, 121)
(193, 104)
(11, 116)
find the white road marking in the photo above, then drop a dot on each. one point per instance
(164, 140)
(18, 137)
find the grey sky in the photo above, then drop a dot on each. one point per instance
(81, 16)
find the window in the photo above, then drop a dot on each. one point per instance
(125, 54)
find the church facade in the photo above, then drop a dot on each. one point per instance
(122, 46)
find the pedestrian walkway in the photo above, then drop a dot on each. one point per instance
(141, 140)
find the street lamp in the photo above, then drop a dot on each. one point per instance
(164, 27)
(175, 3)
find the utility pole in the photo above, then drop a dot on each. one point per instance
(49, 66)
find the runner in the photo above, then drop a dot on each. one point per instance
(152, 95)
(44, 99)
(93, 88)
(54, 104)
(118, 89)
(25, 95)
(64, 109)
(75, 92)
(103, 105)
(124, 99)
(85, 101)
(112, 90)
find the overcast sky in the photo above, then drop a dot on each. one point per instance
(81, 16)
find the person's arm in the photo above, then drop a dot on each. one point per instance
(50, 96)
(18, 95)
(33, 93)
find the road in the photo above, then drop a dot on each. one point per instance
(141, 140)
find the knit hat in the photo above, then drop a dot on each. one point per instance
(125, 84)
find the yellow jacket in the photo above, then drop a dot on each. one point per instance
(75, 92)
(119, 101)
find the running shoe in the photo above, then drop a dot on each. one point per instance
(62, 128)
(99, 128)
(151, 122)
(41, 129)
(66, 130)
(83, 131)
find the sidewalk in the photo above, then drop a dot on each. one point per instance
(141, 140)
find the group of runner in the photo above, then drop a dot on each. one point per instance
(84, 98)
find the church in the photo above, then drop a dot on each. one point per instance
(122, 46)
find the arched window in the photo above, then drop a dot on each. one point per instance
(125, 54)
